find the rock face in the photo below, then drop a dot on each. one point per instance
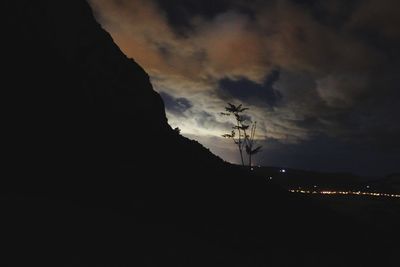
(77, 107)
(73, 96)
(68, 80)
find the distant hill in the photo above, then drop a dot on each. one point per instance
(389, 183)
(295, 179)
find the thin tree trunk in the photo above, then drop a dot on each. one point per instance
(241, 156)
(250, 160)
(240, 143)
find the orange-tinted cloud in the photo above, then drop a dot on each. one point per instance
(331, 70)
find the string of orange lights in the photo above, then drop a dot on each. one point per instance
(325, 192)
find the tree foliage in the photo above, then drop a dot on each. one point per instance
(239, 133)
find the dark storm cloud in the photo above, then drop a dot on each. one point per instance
(180, 12)
(338, 64)
(250, 92)
(334, 13)
(175, 105)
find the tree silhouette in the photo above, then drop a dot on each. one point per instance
(239, 131)
(250, 143)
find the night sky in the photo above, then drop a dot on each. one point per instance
(321, 78)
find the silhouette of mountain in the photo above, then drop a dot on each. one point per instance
(94, 175)
(75, 101)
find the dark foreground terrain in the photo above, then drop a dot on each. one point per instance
(82, 129)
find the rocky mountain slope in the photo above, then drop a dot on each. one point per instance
(75, 102)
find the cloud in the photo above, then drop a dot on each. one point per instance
(341, 90)
(177, 106)
(380, 17)
(305, 68)
(256, 94)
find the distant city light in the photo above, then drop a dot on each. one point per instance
(325, 192)
(252, 169)
(270, 178)
(282, 170)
